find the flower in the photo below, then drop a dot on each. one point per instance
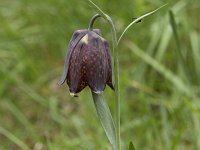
(88, 62)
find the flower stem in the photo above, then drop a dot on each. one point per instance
(116, 79)
(92, 21)
(116, 73)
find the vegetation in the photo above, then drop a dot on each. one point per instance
(159, 76)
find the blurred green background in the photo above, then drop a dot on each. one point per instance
(159, 76)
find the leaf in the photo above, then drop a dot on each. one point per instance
(182, 64)
(181, 86)
(131, 146)
(105, 118)
(13, 139)
(136, 20)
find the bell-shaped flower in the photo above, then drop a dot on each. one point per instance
(88, 62)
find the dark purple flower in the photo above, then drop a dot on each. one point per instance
(88, 62)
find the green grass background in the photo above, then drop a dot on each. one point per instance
(159, 76)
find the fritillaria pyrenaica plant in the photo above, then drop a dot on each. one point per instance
(89, 63)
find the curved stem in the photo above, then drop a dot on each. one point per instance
(116, 71)
(92, 21)
(116, 79)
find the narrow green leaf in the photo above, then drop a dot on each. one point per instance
(105, 118)
(19, 116)
(99, 11)
(14, 139)
(181, 86)
(174, 28)
(131, 146)
(194, 39)
(182, 63)
(136, 20)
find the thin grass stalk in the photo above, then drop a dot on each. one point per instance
(14, 139)
(182, 64)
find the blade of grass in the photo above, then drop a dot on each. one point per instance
(181, 62)
(160, 68)
(19, 115)
(161, 50)
(164, 42)
(166, 34)
(14, 139)
(165, 127)
(195, 54)
(181, 86)
(183, 65)
(142, 67)
(196, 137)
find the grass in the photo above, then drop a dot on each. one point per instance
(160, 108)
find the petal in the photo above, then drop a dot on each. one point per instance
(97, 31)
(76, 37)
(96, 63)
(76, 77)
(109, 66)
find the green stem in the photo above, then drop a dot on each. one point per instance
(92, 21)
(116, 79)
(116, 72)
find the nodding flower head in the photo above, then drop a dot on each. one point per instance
(88, 62)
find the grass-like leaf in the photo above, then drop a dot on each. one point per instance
(182, 63)
(195, 55)
(105, 118)
(136, 20)
(181, 86)
(14, 139)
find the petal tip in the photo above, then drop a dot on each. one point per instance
(60, 82)
(97, 92)
(73, 94)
